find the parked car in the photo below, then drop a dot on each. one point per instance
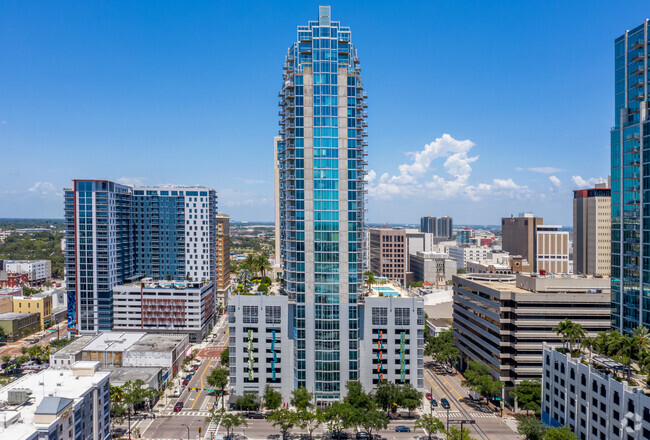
(338, 436)
(177, 393)
(402, 428)
(363, 436)
(256, 415)
(188, 377)
(434, 402)
(474, 395)
(178, 407)
(429, 396)
(185, 382)
(445, 403)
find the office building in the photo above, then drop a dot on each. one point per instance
(322, 197)
(592, 230)
(587, 395)
(223, 258)
(388, 257)
(629, 138)
(116, 232)
(466, 252)
(432, 267)
(442, 227)
(38, 271)
(38, 303)
(63, 404)
(551, 249)
(174, 307)
(502, 320)
(519, 235)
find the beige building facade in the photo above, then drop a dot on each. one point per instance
(223, 258)
(592, 231)
(39, 303)
(552, 249)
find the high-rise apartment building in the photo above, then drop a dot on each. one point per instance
(442, 227)
(116, 232)
(223, 257)
(519, 235)
(388, 255)
(592, 230)
(321, 159)
(277, 264)
(629, 136)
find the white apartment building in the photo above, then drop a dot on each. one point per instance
(176, 307)
(63, 404)
(38, 271)
(392, 345)
(260, 346)
(463, 253)
(590, 400)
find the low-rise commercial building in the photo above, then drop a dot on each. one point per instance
(158, 350)
(6, 298)
(151, 376)
(487, 266)
(432, 267)
(71, 353)
(38, 303)
(588, 395)
(165, 307)
(108, 348)
(502, 320)
(19, 325)
(68, 404)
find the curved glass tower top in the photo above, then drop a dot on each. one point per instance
(321, 161)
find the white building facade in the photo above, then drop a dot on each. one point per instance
(463, 253)
(38, 271)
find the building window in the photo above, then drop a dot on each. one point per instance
(379, 316)
(249, 314)
(402, 316)
(273, 315)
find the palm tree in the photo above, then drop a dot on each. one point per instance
(642, 336)
(262, 263)
(370, 278)
(588, 343)
(244, 276)
(624, 349)
(250, 263)
(563, 330)
(577, 334)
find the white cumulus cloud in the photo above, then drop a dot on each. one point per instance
(417, 179)
(133, 181)
(45, 189)
(555, 181)
(580, 182)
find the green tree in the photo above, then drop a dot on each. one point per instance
(430, 425)
(442, 347)
(272, 398)
(225, 357)
(479, 379)
(6, 358)
(218, 379)
(370, 278)
(229, 421)
(244, 277)
(310, 420)
(339, 416)
(247, 402)
(409, 397)
(262, 263)
(370, 421)
(387, 396)
(531, 428)
(301, 398)
(283, 418)
(455, 433)
(3, 335)
(560, 433)
(357, 397)
(563, 330)
(528, 394)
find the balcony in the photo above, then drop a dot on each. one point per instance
(637, 81)
(637, 55)
(637, 43)
(636, 68)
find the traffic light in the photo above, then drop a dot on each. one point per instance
(199, 430)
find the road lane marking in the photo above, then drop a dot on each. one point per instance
(201, 389)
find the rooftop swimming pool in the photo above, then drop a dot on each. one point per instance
(386, 291)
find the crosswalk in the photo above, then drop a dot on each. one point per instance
(473, 415)
(186, 413)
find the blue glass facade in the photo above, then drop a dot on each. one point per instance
(322, 168)
(630, 174)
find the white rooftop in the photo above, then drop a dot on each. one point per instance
(114, 341)
(49, 382)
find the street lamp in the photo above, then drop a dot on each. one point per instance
(188, 431)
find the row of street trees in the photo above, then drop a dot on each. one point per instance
(367, 412)
(128, 399)
(442, 347)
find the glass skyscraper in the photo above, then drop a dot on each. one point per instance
(630, 173)
(321, 163)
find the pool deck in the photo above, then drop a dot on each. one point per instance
(388, 290)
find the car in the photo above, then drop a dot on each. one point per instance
(434, 402)
(429, 396)
(197, 361)
(402, 428)
(188, 377)
(178, 407)
(185, 382)
(195, 367)
(363, 436)
(256, 415)
(445, 403)
(338, 436)
(192, 372)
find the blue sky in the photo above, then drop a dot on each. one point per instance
(476, 109)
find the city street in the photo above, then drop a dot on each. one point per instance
(196, 404)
